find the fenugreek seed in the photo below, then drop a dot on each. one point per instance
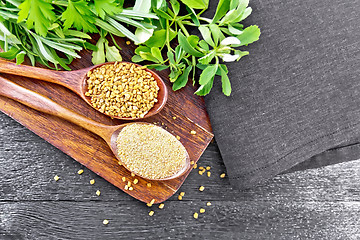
(128, 42)
(222, 175)
(111, 87)
(182, 194)
(120, 163)
(192, 162)
(105, 222)
(131, 188)
(196, 215)
(148, 184)
(126, 187)
(208, 174)
(56, 178)
(98, 192)
(133, 174)
(208, 204)
(129, 184)
(177, 137)
(180, 197)
(208, 168)
(201, 168)
(202, 210)
(92, 181)
(192, 132)
(151, 213)
(80, 171)
(161, 206)
(195, 166)
(174, 118)
(202, 188)
(151, 203)
(136, 181)
(123, 179)
(201, 172)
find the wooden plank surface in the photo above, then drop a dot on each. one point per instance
(91, 151)
(313, 204)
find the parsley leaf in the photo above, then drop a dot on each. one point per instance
(38, 14)
(78, 15)
(103, 7)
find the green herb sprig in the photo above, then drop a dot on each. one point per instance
(221, 36)
(55, 31)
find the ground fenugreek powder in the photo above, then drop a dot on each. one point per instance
(122, 90)
(150, 151)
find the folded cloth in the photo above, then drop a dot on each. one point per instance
(298, 92)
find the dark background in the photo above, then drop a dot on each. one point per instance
(321, 203)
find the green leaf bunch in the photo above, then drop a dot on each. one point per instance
(52, 32)
(220, 39)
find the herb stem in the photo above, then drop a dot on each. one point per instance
(181, 25)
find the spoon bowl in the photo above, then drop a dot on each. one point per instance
(108, 133)
(76, 81)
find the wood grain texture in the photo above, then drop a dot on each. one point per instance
(314, 204)
(92, 151)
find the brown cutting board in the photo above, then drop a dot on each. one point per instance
(91, 151)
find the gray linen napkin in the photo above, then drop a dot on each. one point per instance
(298, 92)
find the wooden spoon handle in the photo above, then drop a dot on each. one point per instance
(44, 104)
(68, 79)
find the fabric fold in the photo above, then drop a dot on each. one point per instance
(296, 95)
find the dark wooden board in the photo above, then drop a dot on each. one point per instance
(91, 151)
(313, 204)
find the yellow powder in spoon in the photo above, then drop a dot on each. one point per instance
(150, 151)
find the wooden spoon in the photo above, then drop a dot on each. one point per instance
(76, 81)
(43, 104)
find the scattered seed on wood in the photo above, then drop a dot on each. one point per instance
(150, 203)
(135, 181)
(92, 181)
(98, 192)
(192, 162)
(182, 194)
(123, 179)
(192, 132)
(201, 172)
(151, 213)
(129, 184)
(208, 204)
(122, 90)
(56, 178)
(120, 163)
(208, 168)
(178, 137)
(133, 174)
(105, 222)
(180, 197)
(201, 168)
(196, 215)
(195, 166)
(150, 151)
(174, 118)
(148, 184)
(222, 175)
(202, 210)
(128, 42)
(208, 174)
(201, 188)
(131, 188)
(126, 187)
(161, 206)
(80, 171)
